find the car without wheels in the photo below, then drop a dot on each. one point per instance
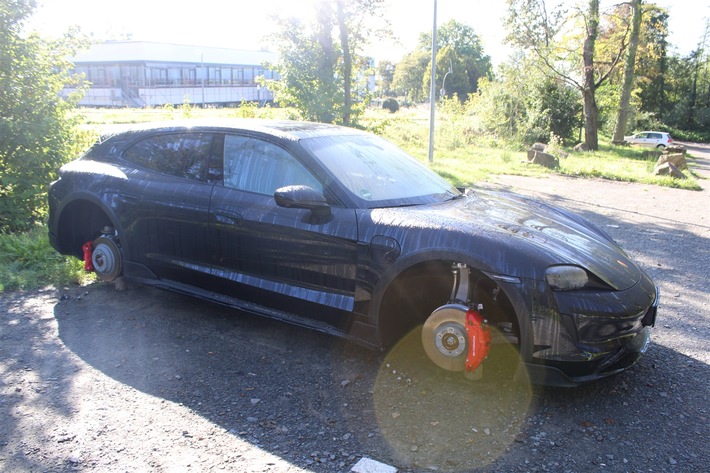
(339, 230)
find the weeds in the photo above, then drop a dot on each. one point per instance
(27, 261)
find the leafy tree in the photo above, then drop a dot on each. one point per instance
(408, 74)
(451, 74)
(553, 37)
(307, 72)
(460, 49)
(623, 111)
(652, 63)
(385, 73)
(37, 131)
(319, 73)
(526, 108)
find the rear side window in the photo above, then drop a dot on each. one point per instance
(178, 154)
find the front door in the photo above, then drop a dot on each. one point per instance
(274, 256)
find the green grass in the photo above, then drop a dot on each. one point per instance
(109, 116)
(27, 261)
(464, 158)
(621, 163)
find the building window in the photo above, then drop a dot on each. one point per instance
(248, 76)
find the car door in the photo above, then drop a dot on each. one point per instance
(164, 206)
(644, 140)
(278, 257)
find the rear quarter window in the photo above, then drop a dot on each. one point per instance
(177, 154)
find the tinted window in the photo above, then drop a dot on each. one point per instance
(181, 155)
(258, 166)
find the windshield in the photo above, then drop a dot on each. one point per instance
(377, 172)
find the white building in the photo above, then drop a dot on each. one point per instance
(140, 74)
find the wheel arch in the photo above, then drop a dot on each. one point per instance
(81, 219)
(412, 288)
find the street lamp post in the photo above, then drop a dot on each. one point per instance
(432, 90)
(443, 85)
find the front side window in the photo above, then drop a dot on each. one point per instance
(181, 154)
(258, 166)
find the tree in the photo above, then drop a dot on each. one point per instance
(385, 74)
(408, 74)
(465, 48)
(526, 108)
(318, 72)
(623, 111)
(37, 131)
(652, 63)
(551, 35)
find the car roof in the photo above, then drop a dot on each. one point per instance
(286, 129)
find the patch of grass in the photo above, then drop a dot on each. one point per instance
(464, 158)
(623, 163)
(110, 116)
(27, 261)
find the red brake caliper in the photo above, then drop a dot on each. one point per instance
(88, 264)
(479, 338)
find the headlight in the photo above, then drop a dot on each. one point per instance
(566, 278)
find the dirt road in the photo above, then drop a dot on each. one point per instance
(99, 380)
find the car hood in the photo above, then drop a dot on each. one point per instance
(526, 236)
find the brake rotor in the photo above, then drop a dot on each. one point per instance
(106, 258)
(444, 337)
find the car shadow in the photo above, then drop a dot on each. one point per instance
(297, 393)
(293, 392)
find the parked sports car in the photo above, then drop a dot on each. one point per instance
(339, 230)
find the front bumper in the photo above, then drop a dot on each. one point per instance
(590, 335)
(564, 374)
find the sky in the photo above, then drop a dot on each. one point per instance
(242, 24)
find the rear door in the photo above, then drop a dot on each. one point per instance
(164, 205)
(278, 257)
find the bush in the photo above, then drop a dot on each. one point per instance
(38, 133)
(390, 104)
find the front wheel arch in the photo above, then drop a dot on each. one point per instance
(419, 290)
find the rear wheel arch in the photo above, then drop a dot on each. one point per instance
(81, 220)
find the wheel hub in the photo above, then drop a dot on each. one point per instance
(450, 339)
(444, 337)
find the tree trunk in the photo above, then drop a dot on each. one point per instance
(591, 120)
(623, 112)
(591, 114)
(347, 64)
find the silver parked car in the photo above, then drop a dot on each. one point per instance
(650, 139)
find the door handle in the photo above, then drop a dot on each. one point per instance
(228, 219)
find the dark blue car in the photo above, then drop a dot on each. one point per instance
(337, 229)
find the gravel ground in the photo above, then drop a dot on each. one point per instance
(94, 379)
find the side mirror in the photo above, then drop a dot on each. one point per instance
(302, 197)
